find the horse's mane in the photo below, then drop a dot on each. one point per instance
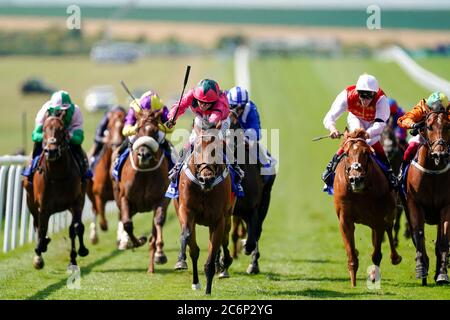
(356, 134)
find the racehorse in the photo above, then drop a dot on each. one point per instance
(144, 180)
(427, 183)
(99, 189)
(362, 195)
(248, 207)
(56, 186)
(205, 198)
(394, 152)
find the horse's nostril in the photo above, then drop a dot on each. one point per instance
(352, 179)
(201, 180)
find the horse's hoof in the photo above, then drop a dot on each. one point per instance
(442, 279)
(104, 226)
(252, 269)
(160, 258)
(181, 265)
(196, 286)
(150, 270)
(83, 252)
(142, 240)
(224, 274)
(396, 260)
(424, 281)
(38, 262)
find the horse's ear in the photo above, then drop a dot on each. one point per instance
(366, 135)
(346, 132)
(158, 113)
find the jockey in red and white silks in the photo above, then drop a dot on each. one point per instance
(368, 108)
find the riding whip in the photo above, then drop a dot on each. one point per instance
(186, 76)
(324, 137)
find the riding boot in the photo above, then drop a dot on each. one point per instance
(390, 175)
(331, 166)
(173, 174)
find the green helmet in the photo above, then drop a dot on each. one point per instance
(61, 100)
(437, 97)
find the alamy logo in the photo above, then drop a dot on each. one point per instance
(373, 278)
(74, 20)
(374, 20)
(74, 280)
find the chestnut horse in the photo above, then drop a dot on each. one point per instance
(205, 198)
(362, 195)
(56, 186)
(428, 201)
(144, 181)
(248, 207)
(99, 190)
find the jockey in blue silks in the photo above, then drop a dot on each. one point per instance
(248, 117)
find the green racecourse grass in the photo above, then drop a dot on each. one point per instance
(302, 253)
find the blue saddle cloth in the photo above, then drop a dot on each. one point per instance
(118, 164)
(328, 188)
(236, 187)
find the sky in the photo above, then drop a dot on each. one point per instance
(347, 4)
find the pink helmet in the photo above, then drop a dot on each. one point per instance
(207, 91)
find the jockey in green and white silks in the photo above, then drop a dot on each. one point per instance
(73, 122)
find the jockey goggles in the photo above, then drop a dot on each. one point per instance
(366, 94)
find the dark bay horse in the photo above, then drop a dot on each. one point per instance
(394, 152)
(56, 186)
(100, 190)
(249, 207)
(362, 195)
(205, 198)
(427, 197)
(144, 181)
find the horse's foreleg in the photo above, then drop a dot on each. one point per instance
(253, 267)
(395, 257)
(347, 230)
(184, 240)
(194, 252)
(100, 205)
(158, 221)
(128, 225)
(77, 211)
(41, 225)
(215, 239)
(398, 214)
(250, 244)
(235, 236)
(442, 248)
(418, 235)
(226, 260)
(377, 238)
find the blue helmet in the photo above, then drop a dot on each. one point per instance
(237, 96)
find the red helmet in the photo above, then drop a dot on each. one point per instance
(207, 91)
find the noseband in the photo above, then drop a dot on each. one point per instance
(439, 141)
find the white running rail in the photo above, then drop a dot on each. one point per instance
(417, 73)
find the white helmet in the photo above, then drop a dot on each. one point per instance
(366, 82)
(61, 99)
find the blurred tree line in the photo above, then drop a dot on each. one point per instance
(51, 41)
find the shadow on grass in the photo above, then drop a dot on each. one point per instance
(278, 277)
(323, 294)
(44, 293)
(139, 270)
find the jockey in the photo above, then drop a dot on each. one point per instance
(368, 109)
(73, 122)
(148, 101)
(206, 100)
(412, 119)
(248, 117)
(396, 113)
(101, 130)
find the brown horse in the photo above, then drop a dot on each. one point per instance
(427, 183)
(56, 186)
(362, 195)
(205, 198)
(100, 190)
(249, 207)
(394, 151)
(143, 184)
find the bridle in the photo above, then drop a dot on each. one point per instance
(355, 165)
(439, 141)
